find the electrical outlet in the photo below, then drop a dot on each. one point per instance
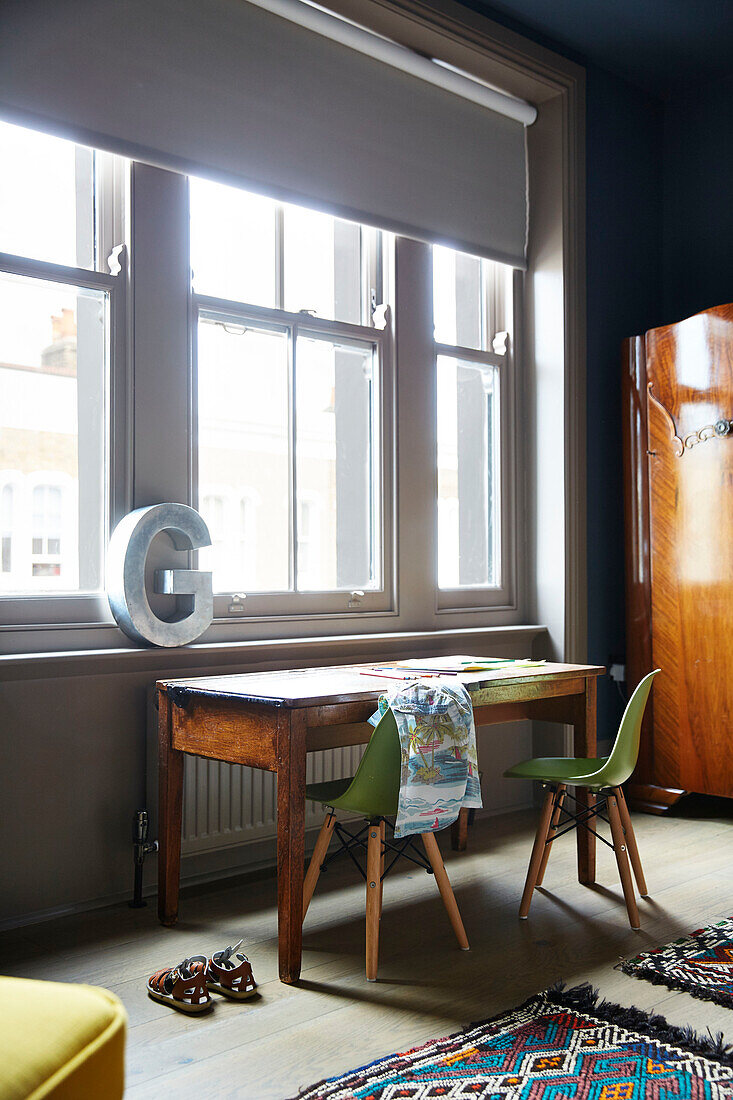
(617, 673)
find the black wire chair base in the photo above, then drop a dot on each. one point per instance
(404, 848)
(569, 820)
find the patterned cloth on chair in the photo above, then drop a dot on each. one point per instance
(439, 762)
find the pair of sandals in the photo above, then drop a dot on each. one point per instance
(187, 986)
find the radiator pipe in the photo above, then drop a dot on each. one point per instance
(141, 846)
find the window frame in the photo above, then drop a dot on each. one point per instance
(261, 606)
(40, 610)
(507, 315)
(164, 199)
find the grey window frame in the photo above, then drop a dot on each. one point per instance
(152, 426)
(507, 324)
(30, 611)
(331, 602)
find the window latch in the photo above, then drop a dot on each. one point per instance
(500, 343)
(356, 597)
(236, 607)
(116, 259)
(232, 329)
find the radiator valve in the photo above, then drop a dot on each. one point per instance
(141, 846)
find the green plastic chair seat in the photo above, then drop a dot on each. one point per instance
(328, 793)
(375, 789)
(610, 771)
(557, 769)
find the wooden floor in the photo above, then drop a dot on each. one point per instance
(334, 1020)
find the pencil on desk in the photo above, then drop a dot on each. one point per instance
(435, 672)
(384, 675)
(390, 676)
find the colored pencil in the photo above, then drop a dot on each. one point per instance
(390, 676)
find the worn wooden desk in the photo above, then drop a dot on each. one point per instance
(270, 720)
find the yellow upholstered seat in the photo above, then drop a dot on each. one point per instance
(60, 1040)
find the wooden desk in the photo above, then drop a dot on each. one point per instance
(270, 720)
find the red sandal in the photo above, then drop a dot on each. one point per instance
(183, 986)
(229, 972)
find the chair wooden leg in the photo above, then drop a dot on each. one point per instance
(446, 893)
(619, 847)
(382, 835)
(374, 859)
(319, 854)
(538, 851)
(631, 844)
(559, 799)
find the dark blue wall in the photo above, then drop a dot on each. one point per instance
(624, 297)
(698, 210)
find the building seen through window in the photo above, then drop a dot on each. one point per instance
(7, 502)
(39, 445)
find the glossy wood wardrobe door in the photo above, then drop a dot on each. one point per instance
(690, 465)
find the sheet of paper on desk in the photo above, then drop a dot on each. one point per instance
(462, 663)
(480, 665)
(452, 665)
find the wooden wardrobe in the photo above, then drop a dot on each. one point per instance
(678, 498)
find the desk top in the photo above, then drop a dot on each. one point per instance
(309, 687)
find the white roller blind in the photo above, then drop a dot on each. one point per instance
(226, 89)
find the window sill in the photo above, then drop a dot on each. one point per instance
(224, 657)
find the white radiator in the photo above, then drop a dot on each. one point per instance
(226, 804)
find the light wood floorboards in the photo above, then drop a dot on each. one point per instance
(288, 1037)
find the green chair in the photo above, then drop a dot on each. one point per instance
(374, 793)
(603, 778)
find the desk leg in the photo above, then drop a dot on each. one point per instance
(290, 840)
(170, 808)
(459, 832)
(585, 745)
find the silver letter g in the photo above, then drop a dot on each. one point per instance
(128, 599)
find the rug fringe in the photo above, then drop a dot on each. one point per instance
(584, 998)
(699, 993)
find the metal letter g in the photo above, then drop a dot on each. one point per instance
(128, 598)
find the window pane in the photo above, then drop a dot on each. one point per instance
(53, 352)
(468, 474)
(322, 265)
(233, 244)
(336, 481)
(46, 197)
(244, 454)
(7, 497)
(469, 296)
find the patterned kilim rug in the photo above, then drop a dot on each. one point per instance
(700, 964)
(560, 1045)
